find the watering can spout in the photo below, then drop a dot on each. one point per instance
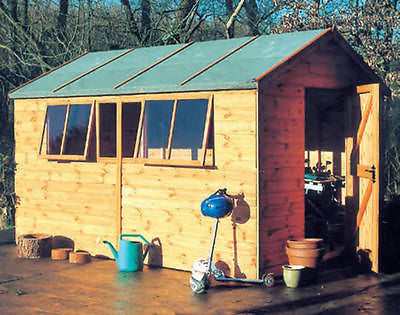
(114, 252)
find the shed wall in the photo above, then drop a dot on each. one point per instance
(282, 143)
(71, 199)
(164, 202)
(78, 200)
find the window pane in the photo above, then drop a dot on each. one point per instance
(187, 140)
(77, 127)
(156, 126)
(55, 121)
(130, 122)
(108, 129)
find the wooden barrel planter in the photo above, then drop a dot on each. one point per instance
(305, 252)
(33, 246)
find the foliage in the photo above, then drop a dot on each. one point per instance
(391, 148)
(7, 194)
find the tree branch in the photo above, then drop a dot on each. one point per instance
(131, 19)
(231, 20)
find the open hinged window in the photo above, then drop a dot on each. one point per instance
(66, 131)
(171, 132)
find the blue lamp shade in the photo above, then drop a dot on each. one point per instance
(216, 206)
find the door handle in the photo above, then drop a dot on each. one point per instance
(366, 171)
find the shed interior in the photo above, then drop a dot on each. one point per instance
(325, 157)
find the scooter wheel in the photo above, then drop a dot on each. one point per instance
(199, 287)
(268, 280)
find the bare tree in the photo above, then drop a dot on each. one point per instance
(33, 40)
(230, 30)
(25, 16)
(146, 21)
(230, 26)
(12, 7)
(62, 18)
(185, 15)
(133, 27)
(251, 13)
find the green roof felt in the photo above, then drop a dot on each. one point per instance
(237, 71)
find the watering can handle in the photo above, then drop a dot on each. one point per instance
(134, 235)
(140, 236)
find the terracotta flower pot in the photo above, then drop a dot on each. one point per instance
(305, 257)
(305, 243)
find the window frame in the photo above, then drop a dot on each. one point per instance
(94, 122)
(168, 161)
(61, 156)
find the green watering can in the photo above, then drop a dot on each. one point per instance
(130, 256)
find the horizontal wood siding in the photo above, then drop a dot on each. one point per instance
(75, 199)
(282, 140)
(78, 200)
(164, 202)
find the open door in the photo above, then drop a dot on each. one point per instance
(362, 177)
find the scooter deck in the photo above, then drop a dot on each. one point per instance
(239, 280)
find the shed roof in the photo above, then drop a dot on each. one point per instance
(201, 66)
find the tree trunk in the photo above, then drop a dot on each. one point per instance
(230, 31)
(251, 13)
(131, 19)
(25, 17)
(184, 19)
(89, 29)
(33, 246)
(12, 8)
(231, 21)
(146, 22)
(2, 6)
(62, 18)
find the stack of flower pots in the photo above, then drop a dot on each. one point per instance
(306, 252)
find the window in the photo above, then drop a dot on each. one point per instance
(55, 121)
(130, 123)
(176, 132)
(107, 130)
(156, 129)
(66, 131)
(190, 120)
(77, 128)
(172, 132)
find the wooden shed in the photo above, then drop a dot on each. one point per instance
(131, 141)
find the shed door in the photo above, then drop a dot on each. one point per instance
(365, 170)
